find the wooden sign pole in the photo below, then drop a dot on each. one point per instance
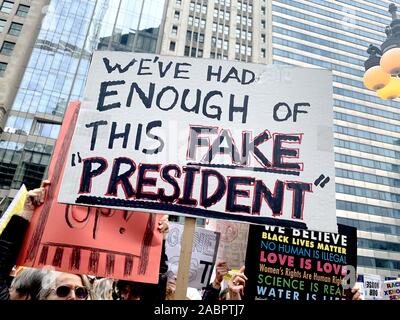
(185, 258)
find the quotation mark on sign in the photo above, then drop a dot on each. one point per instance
(323, 183)
(73, 159)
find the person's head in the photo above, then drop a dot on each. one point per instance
(129, 290)
(26, 284)
(103, 288)
(64, 286)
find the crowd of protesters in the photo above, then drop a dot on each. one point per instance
(47, 284)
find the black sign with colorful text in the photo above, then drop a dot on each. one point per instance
(298, 264)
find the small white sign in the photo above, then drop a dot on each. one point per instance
(204, 253)
(373, 287)
(391, 290)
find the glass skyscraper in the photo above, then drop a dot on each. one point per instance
(56, 73)
(334, 35)
(328, 34)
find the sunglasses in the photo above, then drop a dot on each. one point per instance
(64, 291)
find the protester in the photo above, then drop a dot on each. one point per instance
(65, 286)
(212, 291)
(104, 289)
(26, 284)
(11, 241)
(53, 285)
(129, 290)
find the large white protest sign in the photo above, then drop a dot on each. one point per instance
(204, 253)
(205, 138)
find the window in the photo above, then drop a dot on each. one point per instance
(263, 24)
(22, 10)
(2, 24)
(176, 15)
(15, 29)
(195, 36)
(178, 2)
(18, 125)
(263, 53)
(6, 7)
(32, 174)
(124, 39)
(172, 46)
(174, 30)
(263, 38)
(46, 129)
(3, 67)
(7, 48)
(198, 7)
(249, 51)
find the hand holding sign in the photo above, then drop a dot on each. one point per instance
(221, 270)
(34, 198)
(236, 285)
(163, 225)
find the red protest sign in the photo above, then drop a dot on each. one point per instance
(99, 241)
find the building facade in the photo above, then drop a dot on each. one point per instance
(332, 35)
(56, 73)
(20, 22)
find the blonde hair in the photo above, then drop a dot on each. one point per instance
(103, 289)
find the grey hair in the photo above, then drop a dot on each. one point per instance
(28, 282)
(49, 284)
(103, 288)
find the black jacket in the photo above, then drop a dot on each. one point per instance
(211, 294)
(10, 244)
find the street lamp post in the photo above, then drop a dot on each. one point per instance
(382, 68)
